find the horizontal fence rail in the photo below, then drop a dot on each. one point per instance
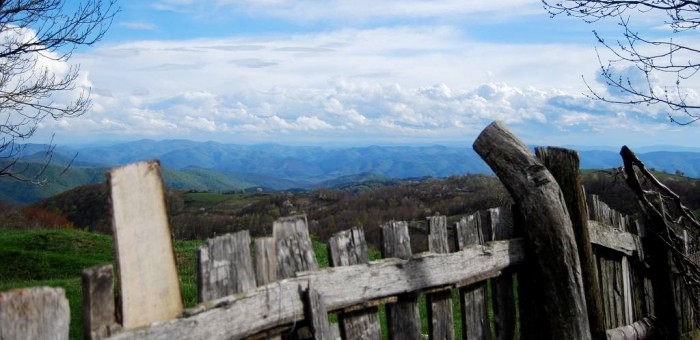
(280, 303)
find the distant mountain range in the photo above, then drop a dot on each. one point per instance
(223, 167)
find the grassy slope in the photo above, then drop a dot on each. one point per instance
(56, 258)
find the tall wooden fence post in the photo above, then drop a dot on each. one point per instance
(564, 166)
(403, 317)
(149, 284)
(547, 227)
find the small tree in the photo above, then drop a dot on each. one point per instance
(651, 60)
(37, 38)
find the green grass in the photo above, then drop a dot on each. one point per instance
(56, 258)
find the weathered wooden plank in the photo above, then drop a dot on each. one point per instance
(34, 313)
(266, 268)
(564, 166)
(548, 227)
(265, 260)
(149, 284)
(317, 315)
(501, 220)
(646, 328)
(475, 320)
(295, 253)
(279, 303)
(293, 246)
(439, 304)
(348, 248)
(403, 318)
(224, 266)
(99, 320)
(615, 239)
(618, 291)
(627, 306)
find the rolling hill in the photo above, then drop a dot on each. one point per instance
(215, 166)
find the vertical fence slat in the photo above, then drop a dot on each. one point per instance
(501, 221)
(149, 284)
(403, 316)
(439, 304)
(99, 319)
(225, 266)
(293, 246)
(348, 248)
(266, 267)
(317, 315)
(294, 253)
(34, 313)
(265, 260)
(475, 320)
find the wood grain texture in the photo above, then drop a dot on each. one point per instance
(473, 298)
(99, 318)
(293, 246)
(564, 166)
(347, 248)
(224, 266)
(279, 303)
(34, 313)
(403, 318)
(548, 228)
(646, 328)
(501, 222)
(149, 284)
(440, 314)
(317, 315)
(265, 260)
(614, 239)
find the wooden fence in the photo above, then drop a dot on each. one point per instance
(273, 287)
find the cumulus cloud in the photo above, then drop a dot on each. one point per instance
(427, 83)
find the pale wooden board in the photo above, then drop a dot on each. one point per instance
(348, 248)
(473, 299)
(34, 313)
(279, 303)
(440, 315)
(225, 266)
(615, 239)
(403, 317)
(149, 285)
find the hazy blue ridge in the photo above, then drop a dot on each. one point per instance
(227, 167)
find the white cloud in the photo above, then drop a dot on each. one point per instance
(138, 25)
(428, 83)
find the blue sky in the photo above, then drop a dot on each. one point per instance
(324, 72)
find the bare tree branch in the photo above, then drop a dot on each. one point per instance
(651, 57)
(33, 34)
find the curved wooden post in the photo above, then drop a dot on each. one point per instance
(562, 309)
(564, 166)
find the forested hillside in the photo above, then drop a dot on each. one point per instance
(367, 203)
